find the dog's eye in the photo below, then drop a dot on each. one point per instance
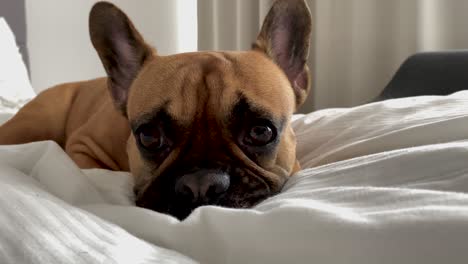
(259, 135)
(151, 138)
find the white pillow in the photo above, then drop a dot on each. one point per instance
(15, 86)
(333, 135)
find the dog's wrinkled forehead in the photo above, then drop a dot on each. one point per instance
(209, 84)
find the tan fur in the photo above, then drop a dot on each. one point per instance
(198, 90)
(212, 80)
(81, 118)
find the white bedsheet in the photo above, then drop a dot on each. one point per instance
(383, 183)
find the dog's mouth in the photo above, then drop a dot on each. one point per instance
(163, 195)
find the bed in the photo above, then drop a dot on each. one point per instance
(385, 182)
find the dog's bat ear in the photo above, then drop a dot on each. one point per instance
(285, 38)
(120, 47)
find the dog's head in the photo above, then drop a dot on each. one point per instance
(208, 127)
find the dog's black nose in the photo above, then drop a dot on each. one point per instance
(202, 186)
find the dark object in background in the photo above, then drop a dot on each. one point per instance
(429, 73)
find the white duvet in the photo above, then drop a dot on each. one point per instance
(382, 183)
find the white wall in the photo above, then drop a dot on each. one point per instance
(58, 38)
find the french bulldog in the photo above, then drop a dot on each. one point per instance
(200, 128)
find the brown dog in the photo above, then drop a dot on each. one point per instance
(195, 128)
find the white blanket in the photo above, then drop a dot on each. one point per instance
(382, 183)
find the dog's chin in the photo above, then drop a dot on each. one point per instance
(181, 210)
